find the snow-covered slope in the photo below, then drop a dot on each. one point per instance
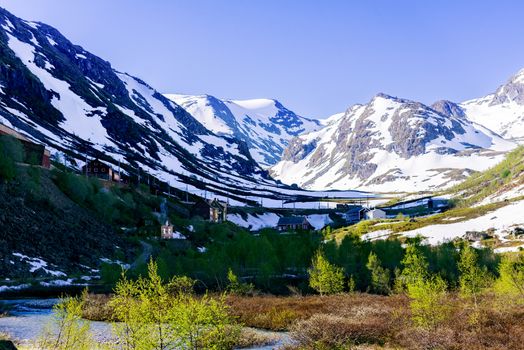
(78, 105)
(502, 111)
(265, 125)
(61, 95)
(391, 144)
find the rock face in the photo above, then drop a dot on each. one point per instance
(391, 144)
(502, 111)
(73, 101)
(265, 125)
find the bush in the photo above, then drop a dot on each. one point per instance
(237, 287)
(11, 152)
(67, 330)
(337, 332)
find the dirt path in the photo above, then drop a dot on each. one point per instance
(143, 258)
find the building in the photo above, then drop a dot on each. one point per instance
(34, 153)
(96, 168)
(166, 230)
(293, 223)
(417, 207)
(211, 210)
(375, 214)
(354, 213)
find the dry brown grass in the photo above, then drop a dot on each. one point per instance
(280, 313)
(364, 321)
(96, 308)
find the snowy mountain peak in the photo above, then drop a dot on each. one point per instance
(502, 111)
(265, 125)
(448, 108)
(390, 143)
(518, 78)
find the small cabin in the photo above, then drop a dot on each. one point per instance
(101, 170)
(166, 230)
(211, 210)
(293, 223)
(354, 213)
(376, 214)
(34, 153)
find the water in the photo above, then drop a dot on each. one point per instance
(28, 317)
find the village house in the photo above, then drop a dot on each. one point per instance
(166, 230)
(34, 153)
(354, 213)
(96, 168)
(375, 214)
(292, 223)
(211, 210)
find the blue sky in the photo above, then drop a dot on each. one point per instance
(316, 57)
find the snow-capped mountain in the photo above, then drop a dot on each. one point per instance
(502, 111)
(391, 144)
(71, 100)
(265, 125)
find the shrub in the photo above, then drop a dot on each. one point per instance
(237, 287)
(67, 329)
(11, 152)
(337, 332)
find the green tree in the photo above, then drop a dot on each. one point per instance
(67, 330)
(415, 266)
(427, 293)
(379, 276)
(473, 279)
(237, 287)
(166, 315)
(325, 277)
(428, 301)
(131, 331)
(511, 277)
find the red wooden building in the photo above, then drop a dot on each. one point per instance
(34, 153)
(101, 170)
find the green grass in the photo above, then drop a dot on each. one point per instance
(483, 184)
(397, 226)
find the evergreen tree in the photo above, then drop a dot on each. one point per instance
(379, 275)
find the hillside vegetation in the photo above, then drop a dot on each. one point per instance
(500, 178)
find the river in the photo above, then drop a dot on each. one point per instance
(28, 317)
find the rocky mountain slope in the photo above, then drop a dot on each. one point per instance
(391, 144)
(501, 111)
(73, 101)
(265, 125)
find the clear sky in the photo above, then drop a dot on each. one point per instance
(316, 57)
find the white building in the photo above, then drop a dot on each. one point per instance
(376, 214)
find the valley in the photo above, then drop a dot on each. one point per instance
(138, 219)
